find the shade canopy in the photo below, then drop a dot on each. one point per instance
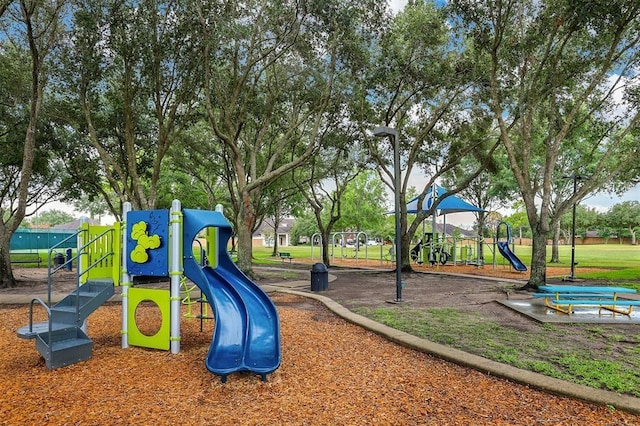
(451, 204)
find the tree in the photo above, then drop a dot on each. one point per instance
(422, 83)
(131, 69)
(95, 207)
(304, 226)
(272, 73)
(31, 33)
(488, 191)
(552, 67)
(626, 215)
(323, 184)
(55, 217)
(363, 204)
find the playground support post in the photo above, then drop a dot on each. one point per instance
(175, 266)
(384, 131)
(126, 279)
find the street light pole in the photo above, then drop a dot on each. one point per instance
(572, 275)
(383, 131)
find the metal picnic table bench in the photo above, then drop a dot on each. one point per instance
(563, 298)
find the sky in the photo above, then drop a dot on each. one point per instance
(397, 5)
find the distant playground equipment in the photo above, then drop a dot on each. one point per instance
(354, 240)
(505, 250)
(430, 250)
(443, 249)
(159, 244)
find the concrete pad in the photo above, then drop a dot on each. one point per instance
(536, 310)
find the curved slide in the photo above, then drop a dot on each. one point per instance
(503, 247)
(246, 336)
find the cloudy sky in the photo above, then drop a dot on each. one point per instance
(397, 5)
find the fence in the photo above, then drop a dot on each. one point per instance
(28, 240)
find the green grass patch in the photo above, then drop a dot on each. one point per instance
(623, 260)
(552, 350)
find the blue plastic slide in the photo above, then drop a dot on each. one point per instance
(246, 336)
(503, 247)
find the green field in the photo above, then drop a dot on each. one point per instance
(622, 260)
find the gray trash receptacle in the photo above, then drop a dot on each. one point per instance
(58, 259)
(319, 277)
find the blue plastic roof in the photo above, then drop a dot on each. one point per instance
(451, 204)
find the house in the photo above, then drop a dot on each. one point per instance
(75, 224)
(265, 235)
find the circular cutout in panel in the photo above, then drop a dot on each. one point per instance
(149, 301)
(148, 318)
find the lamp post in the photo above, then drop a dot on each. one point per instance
(383, 131)
(575, 179)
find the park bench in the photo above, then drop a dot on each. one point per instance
(285, 255)
(563, 298)
(26, 258)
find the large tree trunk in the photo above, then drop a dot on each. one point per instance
(246, 220)
(325, 248)
(538, 275)
(555, 256)
(404, 253)
(6, 273)
(405, 257)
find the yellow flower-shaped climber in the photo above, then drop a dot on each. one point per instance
(145, 242)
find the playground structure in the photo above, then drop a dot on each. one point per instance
(159, 244)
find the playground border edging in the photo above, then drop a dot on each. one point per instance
(484, 365)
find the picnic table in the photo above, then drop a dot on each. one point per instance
(563, 298)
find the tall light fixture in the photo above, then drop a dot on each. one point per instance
(572, 275)
(382, 132)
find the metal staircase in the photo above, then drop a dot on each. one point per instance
(62, 340)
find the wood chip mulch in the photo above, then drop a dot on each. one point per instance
(332, 373)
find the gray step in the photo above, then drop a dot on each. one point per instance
(81, 303)
(38, 327)
(63, 347)
(66, 343)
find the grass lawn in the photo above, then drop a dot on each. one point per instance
(623, 261)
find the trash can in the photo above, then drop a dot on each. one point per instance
(319, 277)
(68, 259)
(58, 260)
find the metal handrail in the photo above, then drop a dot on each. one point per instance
(80, 252)
(47, 308)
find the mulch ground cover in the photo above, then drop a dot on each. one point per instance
(332, 373)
